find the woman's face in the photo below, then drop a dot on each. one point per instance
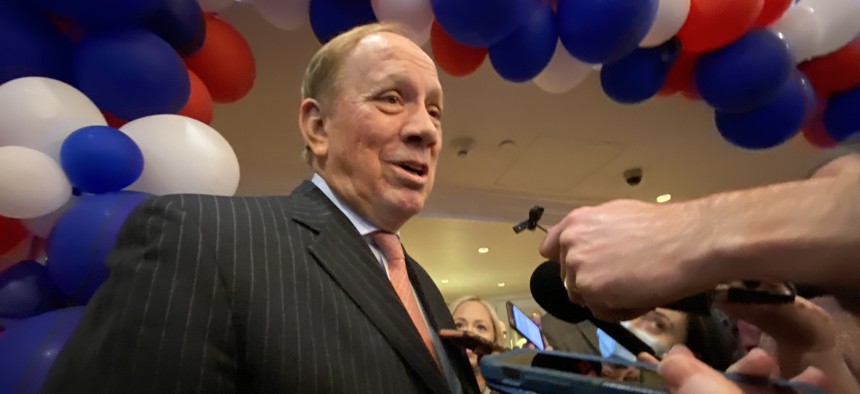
(472, 316)
(667, 327)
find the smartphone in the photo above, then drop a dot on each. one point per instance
(525, 326)
(526, 370)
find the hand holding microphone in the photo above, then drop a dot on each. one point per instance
(626, 257)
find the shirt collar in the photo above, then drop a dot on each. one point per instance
(362, 225)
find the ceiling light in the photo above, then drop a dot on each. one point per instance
(444, 281)
(500, 284)
(664, 198)
(483, 250)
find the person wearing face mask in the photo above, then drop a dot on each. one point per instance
(661, 329)
(477, 316)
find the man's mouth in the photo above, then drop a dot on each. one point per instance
(414, 168)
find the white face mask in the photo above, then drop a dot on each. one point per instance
(609, 348)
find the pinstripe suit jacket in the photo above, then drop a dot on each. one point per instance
(251, 294)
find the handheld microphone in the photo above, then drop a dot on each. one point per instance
(549, 292)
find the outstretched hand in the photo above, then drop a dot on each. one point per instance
(684, 374)
(625, 257)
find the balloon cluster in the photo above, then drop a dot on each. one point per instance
(102, 104)
(768, 68)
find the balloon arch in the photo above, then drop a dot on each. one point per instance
(100, 101)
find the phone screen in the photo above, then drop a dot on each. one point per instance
(525, 326)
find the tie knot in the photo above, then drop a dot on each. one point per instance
(389, 245)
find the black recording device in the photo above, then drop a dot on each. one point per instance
(549, 292)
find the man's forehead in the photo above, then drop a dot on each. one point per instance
(368, 59)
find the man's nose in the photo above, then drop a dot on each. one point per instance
(422, 129)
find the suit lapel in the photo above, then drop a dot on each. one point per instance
(440, 317)
(344, 254)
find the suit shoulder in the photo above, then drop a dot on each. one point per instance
(204, 203)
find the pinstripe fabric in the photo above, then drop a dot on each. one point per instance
(250, 294)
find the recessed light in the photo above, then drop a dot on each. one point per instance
(500, 284)
(664, 198)
(444, 281)
(483, 250)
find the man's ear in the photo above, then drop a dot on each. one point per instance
(312, 127)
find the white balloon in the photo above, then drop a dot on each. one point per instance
(32, 184)
(183, 155)
(215, 5)
(671, 15)
(40, 113)
(284, 14)
(416, 15)
(839, 21)
(43, 225)
(563, 73)
(800, 30)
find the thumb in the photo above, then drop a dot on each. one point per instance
(684, 374)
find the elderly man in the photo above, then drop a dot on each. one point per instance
(308, 293)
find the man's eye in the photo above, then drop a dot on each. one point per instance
(391, 99)
(435, 113)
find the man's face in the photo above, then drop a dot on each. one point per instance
(383, 130)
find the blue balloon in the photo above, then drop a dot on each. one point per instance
(772, 124)
(29, 347)
(745, 74)
(30, 46)
(523, 54)
(604, 31)
(842, 116)
(101, 159)
(180, 23)
(332, 17)
(5, 324)
(640, 75)
(99, 15)
(131, 74)
(82, 239)
(26, 290)
(482, 23)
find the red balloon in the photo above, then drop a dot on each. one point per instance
(712, 24)
(12, 232)
(680, 77)
(814, 131)
(454, 58)
(224, 62)
(199, 105)
(817, 136)
(692, 94)
(112, 120)
(772, 10)
(20, 252)
(836, 72)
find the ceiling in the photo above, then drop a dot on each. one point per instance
(568, 150)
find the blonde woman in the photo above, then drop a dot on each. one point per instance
(473, 314)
